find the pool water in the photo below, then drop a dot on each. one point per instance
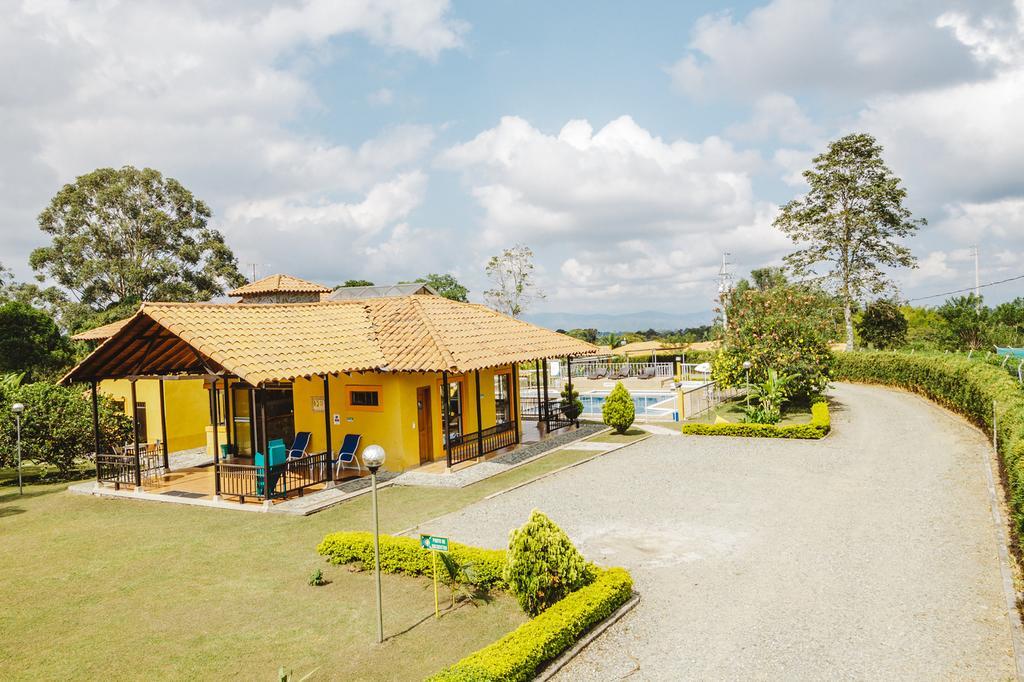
(661, 404)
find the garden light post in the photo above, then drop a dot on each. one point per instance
(18, 408)
(746, 366)
(373, 458)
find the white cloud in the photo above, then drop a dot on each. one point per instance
(776, 117)
(381, 98)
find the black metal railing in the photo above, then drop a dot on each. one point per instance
(116, 469)
(556, 416)
(295, 475)
(469, 446)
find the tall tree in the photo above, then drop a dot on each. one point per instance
(355, 283)
(883, 324)
(30, 342)
(129, 234)
(445, 285)
(511, 274)
(850, 220)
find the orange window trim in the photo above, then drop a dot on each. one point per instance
(356, 388)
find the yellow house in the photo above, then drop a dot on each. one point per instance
(425, 377)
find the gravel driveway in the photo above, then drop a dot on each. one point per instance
(870, 554)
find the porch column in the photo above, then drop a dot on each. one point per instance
(265, 450)
(547, 413)
(568, 378)
(229, 437)
(514, 399)
(445, 405)
(327, 428)
(135, 437)
(96, 426)
(163, 430)
(216, 439)
(479, 418)
(253, 426)
(536, 378)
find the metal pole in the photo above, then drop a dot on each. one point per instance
(572, 403)
(216, 439)
(376, 555)
(536, 378)
(445, 400)
(17, 419)
(327, 427)
(547, 413)
(479, 418)
(135, 436)
(514, 399)
(96, 428)
(261, 399)
(163, 429)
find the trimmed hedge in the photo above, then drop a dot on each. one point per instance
(968, 387)
(818, 427)
(405, 556)
(519, 654)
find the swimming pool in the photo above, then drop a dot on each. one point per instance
(647, 403)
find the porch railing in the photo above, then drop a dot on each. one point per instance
(548, 411)
(701, 401)
(468, 446)
(116, 469)
(295, 475)
(598, 369)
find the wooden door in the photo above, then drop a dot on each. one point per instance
(425, 424)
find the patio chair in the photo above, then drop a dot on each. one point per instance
(278, 456)
(598, 373)
(299, 445)
(621, 373)
(347, 458)
(648, 373)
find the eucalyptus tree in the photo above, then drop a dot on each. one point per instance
(513, 286)
(852, 221)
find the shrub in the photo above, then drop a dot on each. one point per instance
(618, 410)
(572, 406)
(883, 325)
(30, 342)
(769, 395)
(56, 427)
(316, 578)
(818, 427)
(785, 327)
(405, 556)
(520, 654)
(966, 386)
(543, 564)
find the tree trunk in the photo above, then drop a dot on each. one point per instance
(848, 317)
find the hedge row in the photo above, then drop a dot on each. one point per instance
(519, 654)
(404, 555)
(968, 387)
(819, 425)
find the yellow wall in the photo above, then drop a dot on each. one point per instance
(186, 402)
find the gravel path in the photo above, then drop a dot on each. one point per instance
(868, 555)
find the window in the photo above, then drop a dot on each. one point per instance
(454, 408)
(502, 404)
(364, 397)
(140, 415)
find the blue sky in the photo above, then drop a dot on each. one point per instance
(629, 144)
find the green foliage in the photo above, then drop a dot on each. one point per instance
(769, 396)
(762, 279)
(520, 654)
(819, 426)
(543, 564)
(30, 342)
(852, 219)
(965, 386)
(618, 410)
(316, 578)
(882, 325)
(56, 427)
(571, 404)
(968, 324)
(129, 234)
(446, 285)
(405, 556)
(785, 327)
(355, 283)
(457, 576)
(612, 339)
(589, 335)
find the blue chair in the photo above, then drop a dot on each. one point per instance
(300, 444)
(347, 455)
(278, 456)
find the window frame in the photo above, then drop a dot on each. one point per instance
(364, 388)
(509, 414)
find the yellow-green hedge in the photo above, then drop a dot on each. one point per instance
(965, 386)
(404, 555)
(819, 425)
(519, 654)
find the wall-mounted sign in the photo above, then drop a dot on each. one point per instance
(318, 403)
(337, 419)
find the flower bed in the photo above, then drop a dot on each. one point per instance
(819, 426)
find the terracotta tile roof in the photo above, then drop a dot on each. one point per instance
(280, 342)
(280, 283)
(101, 333)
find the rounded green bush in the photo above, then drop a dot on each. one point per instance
(618, 410)
(543, 564)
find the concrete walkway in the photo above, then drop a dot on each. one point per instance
(869, 555)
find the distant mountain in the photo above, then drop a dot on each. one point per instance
(621, 322)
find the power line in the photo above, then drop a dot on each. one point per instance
(971, 289)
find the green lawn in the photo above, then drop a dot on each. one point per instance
(98, 588)
(631, 435)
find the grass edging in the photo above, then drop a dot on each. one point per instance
(520, 654)
(819, 427)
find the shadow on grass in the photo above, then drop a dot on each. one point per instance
(460, 602)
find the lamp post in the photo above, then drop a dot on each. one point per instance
(18, 408)
(746, 366)
(373, 458)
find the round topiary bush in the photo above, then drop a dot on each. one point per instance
(543, 564)
(618, 410)
(571, 404)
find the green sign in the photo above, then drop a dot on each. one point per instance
(433, 542)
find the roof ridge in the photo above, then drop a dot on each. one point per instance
(441, 347)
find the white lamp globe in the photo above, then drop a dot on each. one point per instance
(746, 364)
(17, 408)
(373, 456)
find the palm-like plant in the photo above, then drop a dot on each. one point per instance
(459, 576)
(769, 397)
